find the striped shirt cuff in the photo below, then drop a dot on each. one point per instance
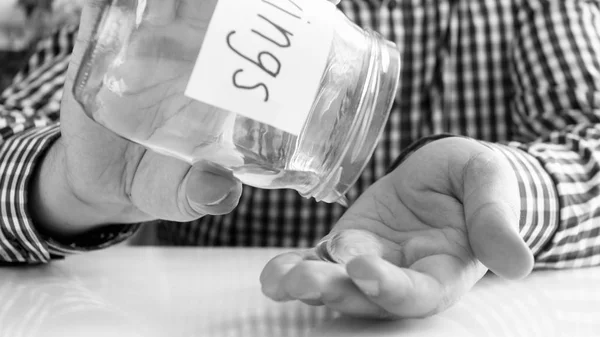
(539, 199)
(19, 240)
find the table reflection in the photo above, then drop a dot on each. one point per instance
(151, 294)
(48, 301)
(548, 303)
(148, 292)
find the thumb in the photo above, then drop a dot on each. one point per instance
(209, 190)
(491, 204)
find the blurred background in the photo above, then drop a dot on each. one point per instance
(23, 23)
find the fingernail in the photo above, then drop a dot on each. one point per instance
(369, 287)
(203, 187)
(220, 200)
(311, 295)
(200, 205)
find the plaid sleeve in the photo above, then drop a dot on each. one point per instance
(29, 113)
(556, 71)
(555, 66)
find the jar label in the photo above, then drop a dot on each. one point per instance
(264, 59)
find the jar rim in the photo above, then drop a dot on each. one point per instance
(375, 105)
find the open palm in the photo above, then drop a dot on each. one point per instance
(416, 240)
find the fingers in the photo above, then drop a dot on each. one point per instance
(492, 206)
(369, 286)
(428, 287)
(273, 274)
(290, 276)
(329, 284)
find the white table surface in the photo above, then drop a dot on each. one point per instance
(129, 291)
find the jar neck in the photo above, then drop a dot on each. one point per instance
(376, 100)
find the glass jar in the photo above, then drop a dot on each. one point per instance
(140, 60)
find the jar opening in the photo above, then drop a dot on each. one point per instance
(377, 97)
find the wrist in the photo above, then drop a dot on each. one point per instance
(55, 209)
